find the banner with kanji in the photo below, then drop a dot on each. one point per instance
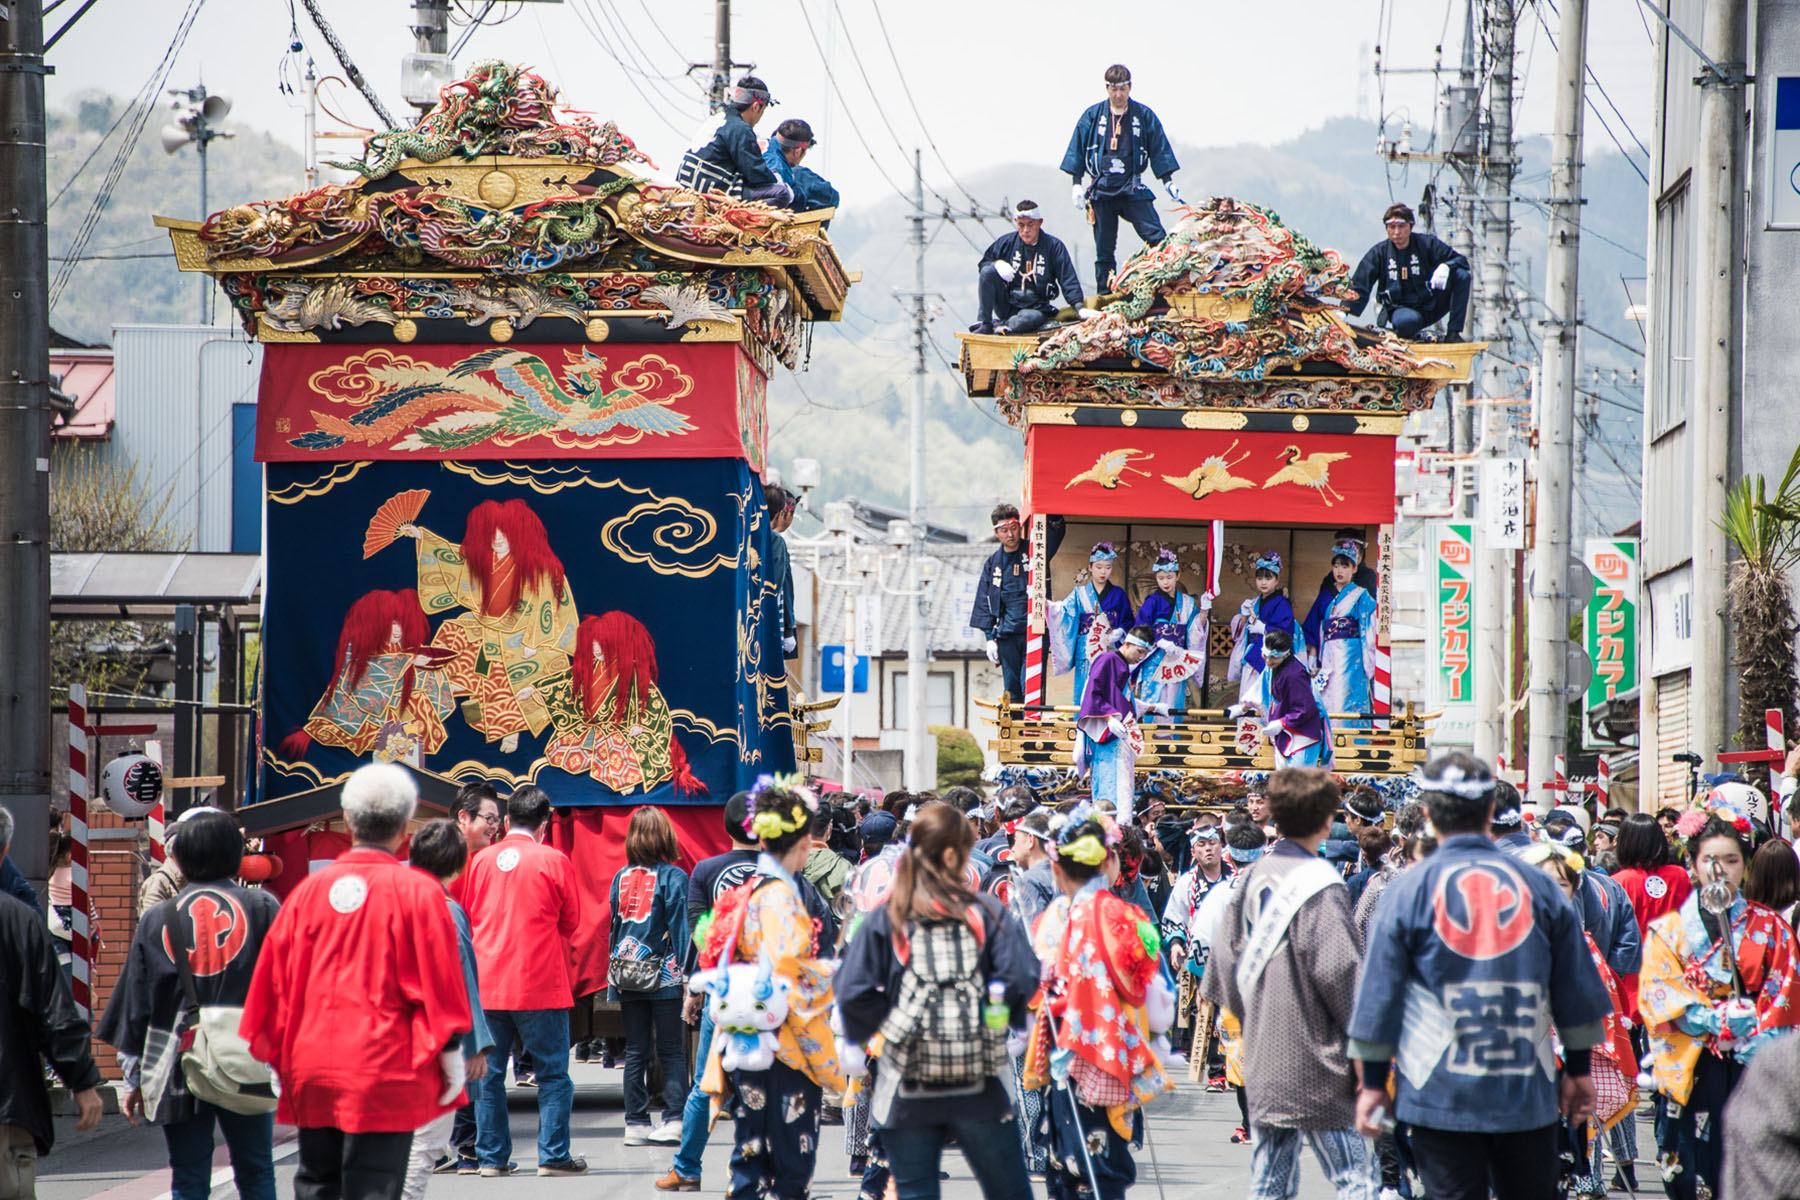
(1209, 474)
(429, 402)
(1609, 626)
(1453, 614)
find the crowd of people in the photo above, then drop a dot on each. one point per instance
(1450, 999)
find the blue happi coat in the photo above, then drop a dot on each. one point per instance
(1472, 958)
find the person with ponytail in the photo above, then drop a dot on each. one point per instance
(764, 921)
(1091, 1040)
(1709, 1002)
(915, 970)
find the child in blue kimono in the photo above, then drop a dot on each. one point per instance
(1174, 616)
(1263, 613)
(1094, 617)
(1341, 625)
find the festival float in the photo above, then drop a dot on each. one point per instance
(1219, 407)
(512, 421)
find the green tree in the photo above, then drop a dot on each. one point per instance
(959, 760)
(1761, 604)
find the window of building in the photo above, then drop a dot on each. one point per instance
(1672, 379)
(940, 699)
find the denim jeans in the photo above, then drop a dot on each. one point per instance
(545, 1032)
(991, 1148)
(694, 1112)
(1012, 664)
(653, 1027)
(1019, 310)
(251, 1140)
(1343, 1155)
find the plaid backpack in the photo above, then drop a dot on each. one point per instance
(934, 1031)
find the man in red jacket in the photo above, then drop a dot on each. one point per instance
(522, 900)
(358, 1003)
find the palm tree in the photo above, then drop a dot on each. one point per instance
(1767, 536)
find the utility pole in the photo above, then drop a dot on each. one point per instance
(1549, 608)
(721, 64)
(921, 773)
(1718, 215)
(24, 440)
(1459, 142)
(1493, 586)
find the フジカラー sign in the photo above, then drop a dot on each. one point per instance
(1453, 611)
(1609, 627)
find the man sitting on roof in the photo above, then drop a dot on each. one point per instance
(1417, 277)
(1021, 274)
(785, 150)
(728, 158)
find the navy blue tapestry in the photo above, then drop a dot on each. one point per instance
(602, 629)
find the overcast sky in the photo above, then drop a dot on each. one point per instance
(993, 81)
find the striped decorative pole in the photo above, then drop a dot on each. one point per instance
(159, 850)
(1776, 736)
(1036, 584)
(1381, 687)
(1603, 784)
(1561, 781)
(80, 948)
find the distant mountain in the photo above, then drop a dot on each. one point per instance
(849, 408)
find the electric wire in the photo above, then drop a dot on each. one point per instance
(655, 105)
(831, 78)
(343, 56)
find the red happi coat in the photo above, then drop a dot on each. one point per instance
(525, 908)
(358, 990)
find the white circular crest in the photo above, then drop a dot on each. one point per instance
(507, 859)
(1655, 887)
(348, 893)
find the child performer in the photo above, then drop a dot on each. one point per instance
(1094, 617)
(764, 919)
(1296, 725)
(1341, 624)
(1090, 1043)
(1709, 1000)
(1268, 609)
(1175, 617)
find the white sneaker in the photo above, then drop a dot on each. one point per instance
(637, 1135)
(666, 1133)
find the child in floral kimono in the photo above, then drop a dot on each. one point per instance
(1268, 610)
(1094, 617)
(1708, 1001)
(1091, 1040)
(1341, 625)
(764, 920)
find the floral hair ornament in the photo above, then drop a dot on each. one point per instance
(1269, 561)
(1731, 803)
(1076, 838)
(770, 824)
(1102, 552)
(1088, 850)
(1348, 548)
(1165, 561)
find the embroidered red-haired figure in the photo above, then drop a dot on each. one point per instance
(390, 696)
(517, 630)
(611, 720)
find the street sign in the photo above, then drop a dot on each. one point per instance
(1502, 503)
(1784, 154)
(867, 636)
(1453, 613)
(1609, 626)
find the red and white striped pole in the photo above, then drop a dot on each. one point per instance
(1036, 585)
(158, 830)
(80, 948)
(1772, 726)
(1603, 785)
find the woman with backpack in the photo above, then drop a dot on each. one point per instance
(649, 953)
(1091, 1043)
(941, 974)
(189, 968)
(759, 957)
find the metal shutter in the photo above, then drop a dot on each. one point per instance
(1671, 739)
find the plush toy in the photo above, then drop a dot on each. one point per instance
(748, 1003)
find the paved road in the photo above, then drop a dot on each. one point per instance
(1189, 1133)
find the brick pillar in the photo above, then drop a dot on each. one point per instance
(116, 866)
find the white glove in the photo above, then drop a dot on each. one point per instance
(1078, 195)
(1256, 627)
(1440, 278)
(1235, 712)
(993, 651)
(1016, 1041)
(1162, 710)
(1085, 313)
(1004, 270)
(789, 645)
(455, 1070)
(1174, 189)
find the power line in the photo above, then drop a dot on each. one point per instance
(655, 106)
(343, 56)
(831, 78)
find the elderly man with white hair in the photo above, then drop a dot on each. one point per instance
(358, 1003)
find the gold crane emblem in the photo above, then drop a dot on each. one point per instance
(1311, 470)
(1109, 468)
(1212, 475)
